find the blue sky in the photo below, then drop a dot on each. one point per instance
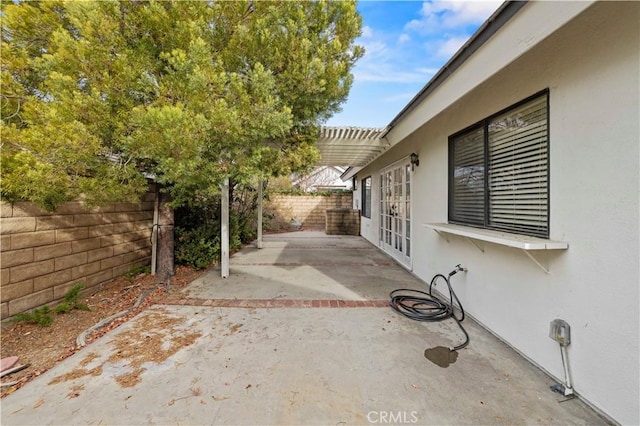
(406, 43)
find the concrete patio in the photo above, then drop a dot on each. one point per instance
(298, 334)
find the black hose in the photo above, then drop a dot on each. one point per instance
(428, 307)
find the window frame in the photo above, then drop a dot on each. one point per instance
(364, 200)
(484, 125)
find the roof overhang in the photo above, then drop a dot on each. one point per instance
(349, 173)
(350, 146)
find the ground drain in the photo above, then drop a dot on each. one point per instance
(441, 356)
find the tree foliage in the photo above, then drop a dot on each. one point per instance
(96, 93)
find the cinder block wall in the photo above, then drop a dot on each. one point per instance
(43, 254)
(308, 209)
(343, 221)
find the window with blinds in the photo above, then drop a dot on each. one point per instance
(498, 171)
(468, 201)
(366, 197)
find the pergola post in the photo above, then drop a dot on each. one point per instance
(260, 186)
(224, 229)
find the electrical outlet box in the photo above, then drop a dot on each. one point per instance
(560, 331)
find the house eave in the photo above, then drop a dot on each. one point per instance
(349, 173)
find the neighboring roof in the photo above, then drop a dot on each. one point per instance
(349, 146)
(295, 180)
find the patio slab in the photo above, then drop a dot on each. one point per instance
(251, 364)
(307, 265)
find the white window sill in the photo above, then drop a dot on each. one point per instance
(503, 238)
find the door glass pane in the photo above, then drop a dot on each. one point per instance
(408, 186)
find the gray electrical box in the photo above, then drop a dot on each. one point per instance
(560, 331)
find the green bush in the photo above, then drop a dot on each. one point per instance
(242, 229)
(137, 270)
(197, 231)
(70, 301)
(41, 316)
(198, 247)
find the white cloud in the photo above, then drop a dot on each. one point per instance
(367, 32)
(405, 97)
(386, 74)
(410, 56)
(451, 46)
(400, 59)
(385, 65)
(428, 71)
(374, 48)
(404, 38)
(446, 15)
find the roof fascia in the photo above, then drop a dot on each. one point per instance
(349, 173)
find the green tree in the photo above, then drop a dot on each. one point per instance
(95, 94)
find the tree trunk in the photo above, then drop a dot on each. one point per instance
(165, 240)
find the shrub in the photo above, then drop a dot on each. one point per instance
(197, 231)
(137, 270)
(41, 316)
(70, 301)
(198, 247)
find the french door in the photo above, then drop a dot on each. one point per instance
(395, 211)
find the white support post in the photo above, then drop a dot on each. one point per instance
(260, 185)
(224, 230)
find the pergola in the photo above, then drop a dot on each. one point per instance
(350, 146)
(338, 146)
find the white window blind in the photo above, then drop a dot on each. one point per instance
(517, 172)
(468, 177)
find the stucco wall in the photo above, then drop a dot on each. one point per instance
(591, 68)
(42, 254)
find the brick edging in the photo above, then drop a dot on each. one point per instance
(277, 303)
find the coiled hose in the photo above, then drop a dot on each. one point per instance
(428, 307)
